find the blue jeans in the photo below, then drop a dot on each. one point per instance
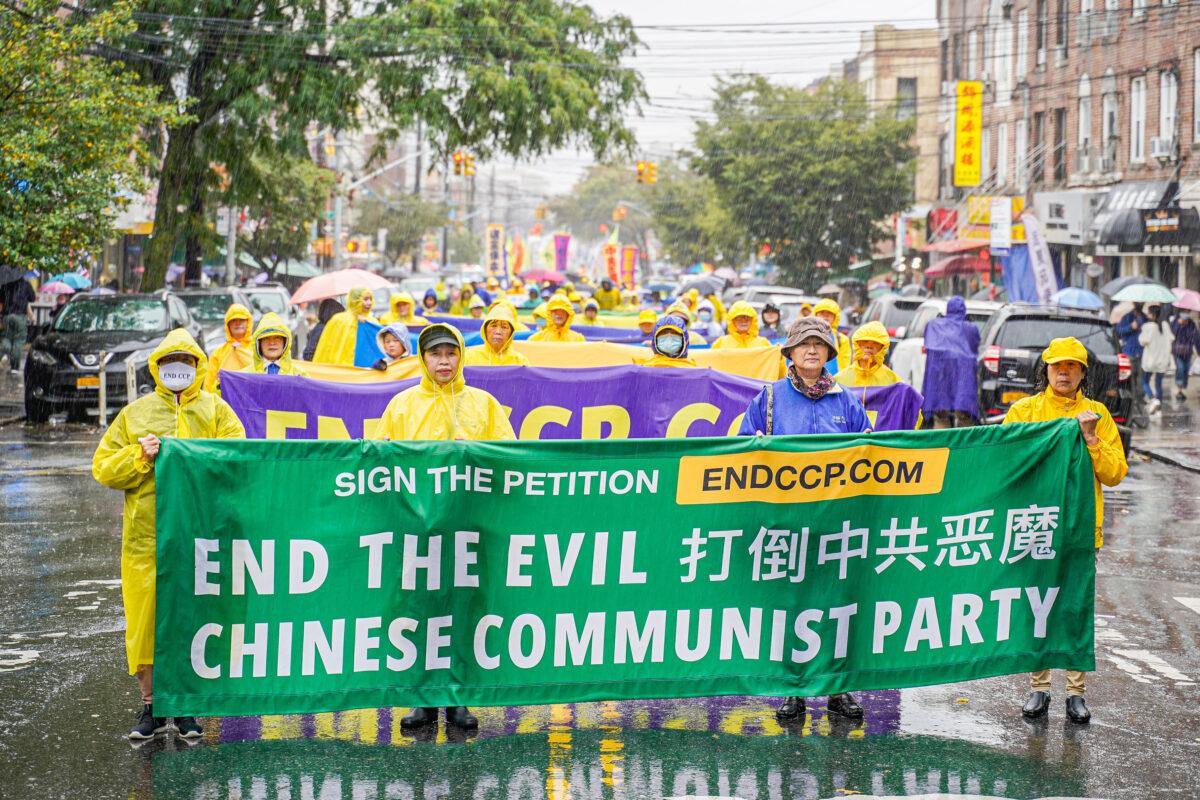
(1156, 394)
(12, 339)
(1183, 365)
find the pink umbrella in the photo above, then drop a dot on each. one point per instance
(58, 287)
(541, 275)
(1186, 298)
(336, 284)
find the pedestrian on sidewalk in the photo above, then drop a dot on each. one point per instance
(1060, 378)
(1156, 340)
(17, 298)
(1186, 345)
(124, 460)
(1129, 329)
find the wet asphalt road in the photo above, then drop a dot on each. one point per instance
(67, 701)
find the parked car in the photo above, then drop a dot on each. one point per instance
(908, 356)
(895, 312)
(274, 297)
(62, 372)
(208, 306)
(775, 294)
(1011, 347)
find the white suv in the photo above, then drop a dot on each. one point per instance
(908, 355)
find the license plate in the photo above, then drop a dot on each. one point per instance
(1012, 397)
(88, 382)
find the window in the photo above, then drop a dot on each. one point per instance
(1022, 44)
(1108, 131)
(956, 57)
(1003, 62)
(1168, 104)
(1196, 94)
(973, 56)
(1060, 144)
(906, 98)
(1039, 32)
(1085, 117)
(985, 155)
(1137, 120)
(1060, 25)
(1037, 148)
(1002, 154)
(1139, 8)
(1022, 153)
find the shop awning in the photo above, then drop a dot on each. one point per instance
(959, 265)
(955, 246)
(1122, 229)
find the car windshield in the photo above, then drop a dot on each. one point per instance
(977, 318)
(85, 316)
(899, 313)
(1035, 333)
(208, 307)
(417, 286)
(267, 301)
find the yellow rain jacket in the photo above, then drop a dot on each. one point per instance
(504, 301)
(234, 354)
(663, 360)
(733, 339)
(1108, 458)
(393, 316)
(553, 333)
(452, 411)
(119, 464)
(273, 325)
(607, 299)
(843, 341)
(340, 335)
(460, 306)
(484, 355)
(873, 372)
(719, 312)
(591, 303)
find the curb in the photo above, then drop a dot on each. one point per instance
(1165, 459)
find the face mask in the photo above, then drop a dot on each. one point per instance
(541, 323)
(670, 344)
(706, 315)
(177, 376)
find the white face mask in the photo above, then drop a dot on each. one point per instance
(705, 315)
(670, 344)
(177, 376)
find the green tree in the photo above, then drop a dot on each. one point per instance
(463, 245)
(814, 173)
(284, 196)
(691, 223)
(492, 76)
(407, 218)
(592, 199)
(70, 131)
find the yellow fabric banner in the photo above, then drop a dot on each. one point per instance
(968, 132)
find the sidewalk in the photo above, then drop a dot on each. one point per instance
(1173, 436)
(12, 395)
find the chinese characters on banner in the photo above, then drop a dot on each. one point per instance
(612, 267)
(494, 241)
(968, 127)
(629, 259)
(562, 242)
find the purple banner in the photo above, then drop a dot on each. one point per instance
(896, 407)
(546, 403)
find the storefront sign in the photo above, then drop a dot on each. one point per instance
(968, 130)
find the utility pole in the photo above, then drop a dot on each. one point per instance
(337, 200)
(446, 201)
(231, 248)
(416, 256)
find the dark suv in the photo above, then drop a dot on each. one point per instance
(1012, 344)
(62, 372)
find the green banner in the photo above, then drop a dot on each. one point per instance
(313, 576)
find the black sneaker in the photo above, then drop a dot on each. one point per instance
(188, 727)
(148, 725)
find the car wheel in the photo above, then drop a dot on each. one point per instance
(36, 411)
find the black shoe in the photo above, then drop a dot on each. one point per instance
(188, 727)
(461, 717)
(792, 708)
(148, 724)
(843, 705)
(419, 718)
(1077, 710)
(1037, 705)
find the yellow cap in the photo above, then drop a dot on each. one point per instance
(647, 315)
(873, 331)
(1066, 349)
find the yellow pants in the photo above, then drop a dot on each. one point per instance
(1040, 681)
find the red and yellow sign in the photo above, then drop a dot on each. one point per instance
(629, 260)
(968, 131)
(979, 218)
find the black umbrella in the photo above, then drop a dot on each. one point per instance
(1115, 285)
(705, 285)
(8, 274)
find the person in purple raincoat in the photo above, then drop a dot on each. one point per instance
(951, 386)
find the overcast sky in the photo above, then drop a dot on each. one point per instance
(792, 41)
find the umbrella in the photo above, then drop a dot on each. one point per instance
(542, 275)
(705, 285)
(1074, 297)
(1186, 298)
(1118, 311)
(57, 287)
(1117, 284)
(9, 274)
(829, 288)
(728, 275)
(914, 290)
(102, 290)
(75, 280)
(853, 281)
(661, 287)
(336, 284)
(1145, 293)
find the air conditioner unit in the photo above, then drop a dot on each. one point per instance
(1162, 148)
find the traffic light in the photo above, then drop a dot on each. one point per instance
(619, 213)
(459, 161)
(351, 246)
(651, 172)
(468, 164)
(642, 168)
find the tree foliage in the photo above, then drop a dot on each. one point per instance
(813, 173)
(290, 195)
(691, 223)
(406, 217)
(70, 131)
(592, 199)
(489, 75)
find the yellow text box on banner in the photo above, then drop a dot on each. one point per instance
(968, 131)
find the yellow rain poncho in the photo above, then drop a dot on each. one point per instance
(504, 301)
(741, 310)
(234, 354)
(591, 303)
(340, 336)
(667, 323)
(869, 370)
(843, 341)
(394, 315)
(608, 299)
(119, 464)
(718, 307)
(273, 325)
(460, 306)
(553, 333)
(484, 355)
(452, 411)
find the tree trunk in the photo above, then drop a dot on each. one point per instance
(180, 179)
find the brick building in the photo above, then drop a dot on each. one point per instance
(1089, 113)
